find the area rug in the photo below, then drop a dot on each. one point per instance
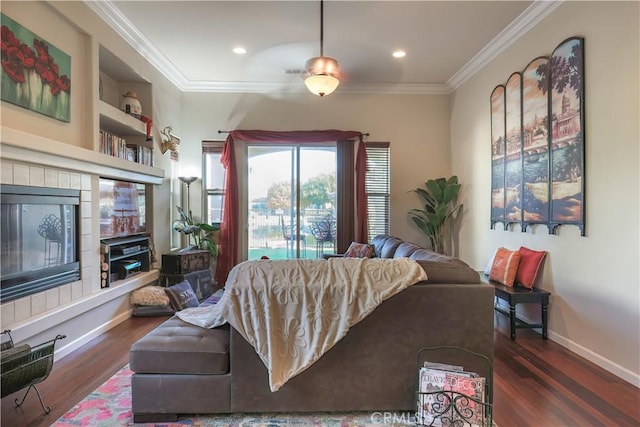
(110, 406)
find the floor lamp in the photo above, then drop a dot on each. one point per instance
(188, 180)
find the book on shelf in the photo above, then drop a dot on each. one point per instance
(113, 145)
(141, 154)
(116, 146)
(439, 385)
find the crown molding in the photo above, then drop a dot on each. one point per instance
(118, 22)
(285, 87)
(528, 19)
(113, 17)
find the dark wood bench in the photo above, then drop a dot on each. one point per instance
(515, 295)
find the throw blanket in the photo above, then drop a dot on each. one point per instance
(293, 311)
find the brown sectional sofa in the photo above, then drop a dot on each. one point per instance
(180, 368)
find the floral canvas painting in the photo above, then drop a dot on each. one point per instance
(35, 74)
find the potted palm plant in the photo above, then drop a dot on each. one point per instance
(440, 197)
(202, 232)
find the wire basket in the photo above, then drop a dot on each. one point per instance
(453, 397)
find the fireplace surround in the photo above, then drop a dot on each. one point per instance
(39, 248)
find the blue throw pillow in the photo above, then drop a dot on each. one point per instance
(182, 296)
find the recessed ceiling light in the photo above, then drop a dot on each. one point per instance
(399, 54)
(239, 50)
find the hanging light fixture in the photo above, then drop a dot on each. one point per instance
(321, 77)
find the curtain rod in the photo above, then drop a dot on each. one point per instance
(227, 131)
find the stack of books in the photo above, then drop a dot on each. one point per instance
(449, 395)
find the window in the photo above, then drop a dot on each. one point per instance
(378, 188)
(213, 182)
(291, 190)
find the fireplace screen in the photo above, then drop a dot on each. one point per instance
(39, 245)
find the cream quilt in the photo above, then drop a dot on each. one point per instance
(293, 311)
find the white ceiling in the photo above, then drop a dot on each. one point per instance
(191, 42)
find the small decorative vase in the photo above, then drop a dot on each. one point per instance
(131, 104)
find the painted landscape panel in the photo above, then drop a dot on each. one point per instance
(498, 148)
(535, 119)
(513, 162)
(567, 135)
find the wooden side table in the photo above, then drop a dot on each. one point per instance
(515, 295)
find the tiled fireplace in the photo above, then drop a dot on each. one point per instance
(24, 308)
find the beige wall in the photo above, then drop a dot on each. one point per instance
(41, 151)
(594, 280)
(415, 125)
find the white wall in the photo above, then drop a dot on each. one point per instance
(415, 125)
(594, 280)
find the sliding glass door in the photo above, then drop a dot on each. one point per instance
(291, 200)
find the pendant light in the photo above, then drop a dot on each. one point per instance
(321, 76)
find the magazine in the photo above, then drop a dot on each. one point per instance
(435, 404)
(468, 410)
(430, 382)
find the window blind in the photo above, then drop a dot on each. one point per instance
(378, 187)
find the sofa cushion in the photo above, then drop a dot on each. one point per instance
(178, 347)
(427, 255)
(388, 248)
(453, 270)
(405, 249)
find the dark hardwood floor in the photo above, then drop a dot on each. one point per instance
(536, 382)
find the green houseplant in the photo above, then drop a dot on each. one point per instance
(202, 233)
(440, 198)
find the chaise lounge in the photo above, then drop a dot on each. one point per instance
(180, 368)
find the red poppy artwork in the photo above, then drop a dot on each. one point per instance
(35, 74)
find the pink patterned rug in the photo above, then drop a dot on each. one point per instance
(110, 406)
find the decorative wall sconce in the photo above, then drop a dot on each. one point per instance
(169, 140)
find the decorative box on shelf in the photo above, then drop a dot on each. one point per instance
(177, 262)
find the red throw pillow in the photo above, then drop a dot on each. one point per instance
(530, 265)
(505, 266)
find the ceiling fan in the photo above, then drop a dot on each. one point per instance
(322, 72)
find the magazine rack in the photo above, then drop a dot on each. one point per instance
(25, 366)
(454, 408)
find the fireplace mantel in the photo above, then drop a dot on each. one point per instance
(26, 147)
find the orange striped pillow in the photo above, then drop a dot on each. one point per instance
(505, 266)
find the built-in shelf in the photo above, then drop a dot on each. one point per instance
(122, 135)
(119, 122)
(26, 147)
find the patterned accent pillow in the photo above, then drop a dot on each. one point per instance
(505, 266)
(153, 296)
(359, 250)
(182, 296)
(530, 265)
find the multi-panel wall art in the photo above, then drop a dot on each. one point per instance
(537, 142)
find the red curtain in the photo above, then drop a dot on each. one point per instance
(228, 243)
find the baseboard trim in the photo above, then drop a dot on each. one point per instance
(617, 370)
(84, 339)
(603, 362)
